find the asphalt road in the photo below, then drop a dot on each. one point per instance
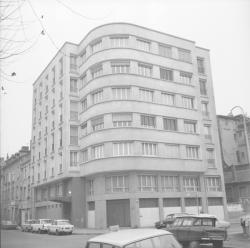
(18, 239)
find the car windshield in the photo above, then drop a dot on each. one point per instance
(187, 221)
(163, 241)
(178, 222)
(63, 223)
(46, 221)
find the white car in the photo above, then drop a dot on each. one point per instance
(133, 238)
(219, 223)
(41, 225)
(60, 227)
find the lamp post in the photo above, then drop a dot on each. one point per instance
(245, 130)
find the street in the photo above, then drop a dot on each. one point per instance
(18, 239)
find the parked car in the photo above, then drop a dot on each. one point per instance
(8, 225)
(193, 230)
(26, 226)
(60, 227)
(168, 220)
(41, 225)
(132, 238)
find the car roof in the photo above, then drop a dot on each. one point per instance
(198, 216)
(124, 237)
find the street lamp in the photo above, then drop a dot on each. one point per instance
(245, 129)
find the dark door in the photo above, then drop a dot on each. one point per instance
(118, 213)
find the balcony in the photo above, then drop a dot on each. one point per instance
(60, 198)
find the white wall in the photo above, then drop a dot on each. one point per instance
(217, 211)
(148, 216)
(91, 219)
(192, 210)
(171, 210)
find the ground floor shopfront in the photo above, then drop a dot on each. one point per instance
(129, 199)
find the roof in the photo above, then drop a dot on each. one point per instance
(199, 216)
(124, 237)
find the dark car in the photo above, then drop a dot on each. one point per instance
(193, 230)
(168, 220)
(8, 225)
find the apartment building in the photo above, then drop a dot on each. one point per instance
(16, 191)
(124, 130)
(235, 158)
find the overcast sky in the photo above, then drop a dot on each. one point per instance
(223, 26)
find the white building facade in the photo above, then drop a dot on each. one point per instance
(124, 130)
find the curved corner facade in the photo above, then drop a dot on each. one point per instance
(124, 130)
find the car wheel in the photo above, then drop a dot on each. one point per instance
(194, 244)
(218, 244)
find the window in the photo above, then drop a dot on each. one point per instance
(96, 46)
(184, 55)
(84, 104)
(148, 121)
(83, 81)
(84, 129)
(73, 62)
(143, 45)
(148, 183)
(116, 184)
(201, 66)
(170, 124)
(84, 154)
(53, 75)
(172, 151)
(97, 71)
(73, 159)
(120, 67)
(119, 41)
(97, 96)
(203, 87)
(73, 111)
(192, 152)
(170, 183)
(191, 184)
(121, 93)
(165, 51)
(186, 77)
(188, 102)
(52, 142)
(122, 119)
(204, 109)
(166, 74)
(90, 187)
(144, 70)
(83, 56)
(213, 183)
(73, 135)
(210, 157)
(98, 151)
(149, 149)
(122, 148)
(61, 67)
(73, 85)
(146, 95)
(168, 99)
(190, 126)
(97, 123)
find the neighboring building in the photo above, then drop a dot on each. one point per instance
(15, 187)
(235, 158)
(124, 130)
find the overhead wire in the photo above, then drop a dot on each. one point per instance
(44, 30)
(80, 14)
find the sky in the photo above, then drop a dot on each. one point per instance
(223, 26)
